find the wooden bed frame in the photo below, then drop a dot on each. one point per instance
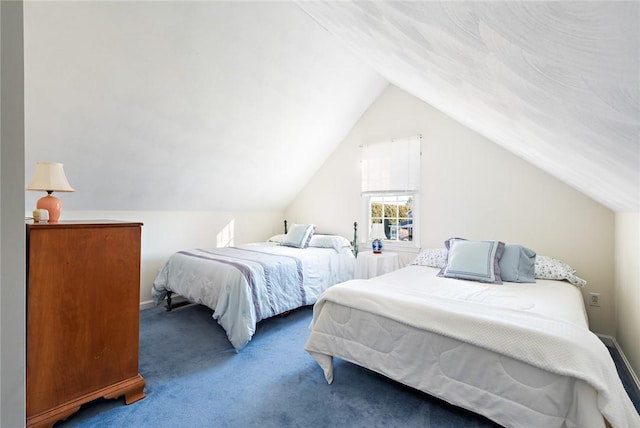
(170, 305)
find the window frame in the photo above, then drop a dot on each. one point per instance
(399, 244)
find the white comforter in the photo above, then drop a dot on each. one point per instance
(510, 320)
(248, 283)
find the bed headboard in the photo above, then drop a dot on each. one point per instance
(354, 243)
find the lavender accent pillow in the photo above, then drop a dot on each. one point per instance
(473, 260)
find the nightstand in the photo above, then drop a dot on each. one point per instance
(369, 264)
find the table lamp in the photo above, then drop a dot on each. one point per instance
(49, 177)
(377, 234)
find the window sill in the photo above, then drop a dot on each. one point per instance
(408, 247)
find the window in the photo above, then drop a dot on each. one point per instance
(391, 216)
(390, 190)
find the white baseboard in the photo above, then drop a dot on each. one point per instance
(634, 377)
(612, 342)
(147, 304)
(607, 340)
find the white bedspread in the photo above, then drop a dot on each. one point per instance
(508, 320)
(247, 283)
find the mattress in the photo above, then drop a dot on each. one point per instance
(519, 354)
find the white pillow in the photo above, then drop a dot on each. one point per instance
(299, 235)
(277, 238)
(431, 257)
(550, 268)
(329, 241)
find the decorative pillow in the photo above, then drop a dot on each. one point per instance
(517, 264)
(550, 268)
(299, 235)
(448, 242)
(431, 257)
(473, 260)
(329, 241)
(277, 238)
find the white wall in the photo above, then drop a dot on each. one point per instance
(165, 105)
(471, 188)
(627, 288)
(165, 232)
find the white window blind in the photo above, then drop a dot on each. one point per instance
(391, 166)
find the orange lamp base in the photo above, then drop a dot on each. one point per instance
(51, 204)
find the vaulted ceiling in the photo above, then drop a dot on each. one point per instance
(149, 103)
(557, 83)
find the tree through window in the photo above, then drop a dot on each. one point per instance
(395, 214)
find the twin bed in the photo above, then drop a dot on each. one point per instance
(489, 327)
(251, 282)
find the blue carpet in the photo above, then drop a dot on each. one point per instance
(194, 378)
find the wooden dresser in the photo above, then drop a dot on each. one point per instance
(83, 313)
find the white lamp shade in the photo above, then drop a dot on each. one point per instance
(49, 176)
(377, 231)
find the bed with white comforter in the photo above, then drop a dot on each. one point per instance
(520, 354)
(248, 283)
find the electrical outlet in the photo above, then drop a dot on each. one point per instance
(594, 299)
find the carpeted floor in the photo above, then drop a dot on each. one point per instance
(196, 379)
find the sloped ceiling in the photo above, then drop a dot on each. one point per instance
(234, 105)
(557, 83)
(213, 106)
